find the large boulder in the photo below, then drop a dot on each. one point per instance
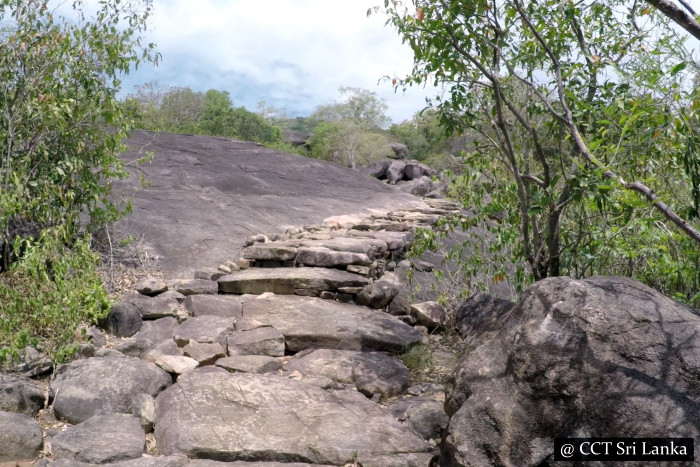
(602, 357)
(20, 395)
(309, 322)
(395, 171)
(241, 416)
(400, 150)
(20, 438)
(103, 385)
(376, 169)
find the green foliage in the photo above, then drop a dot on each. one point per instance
(348, 143)
(61, 132)
(61, 127)
(423, 135)
(359, 106)
(182, 110)
(47, 295)
(571, 102)
(350, 133)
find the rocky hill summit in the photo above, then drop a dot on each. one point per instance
(288, 346)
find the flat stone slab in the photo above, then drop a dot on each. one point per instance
(272, 251)
(206, 329)
(327, 258)
(259, 341)
(217, 305)
(103, 385)
(370, 372)
(144, 461)
(309, 322)
(287, 281)
(371, 247)
(242, 416)
(394, 240)
(101, 439)
(250, 363)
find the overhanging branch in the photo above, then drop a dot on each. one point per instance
(680, 17)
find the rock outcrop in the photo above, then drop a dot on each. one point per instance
(602, 357)
(270, 358)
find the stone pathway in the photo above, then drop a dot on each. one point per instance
(284, 357)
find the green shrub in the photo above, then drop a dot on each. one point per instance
(47, 295)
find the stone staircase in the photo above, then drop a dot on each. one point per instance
(286, 356)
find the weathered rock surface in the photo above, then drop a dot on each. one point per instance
(326, 258)
(268, 418)
(151, 286)
(395, 171)
(335, 325)
(176, 364)
(250, 189)
(103, 385)
(264, 340)
(152, 307)
(153, 332)
(144, 461)
(270, 252)
(370, 372)
(20, 437)
(602, 357)
(205, 354)
(206, 329)
(288, 280)
(250, 364)
(423, 415)
(198, 286)
(20, 395)
(483, 313)
(216, 305)
(124, 320)
(371, 247)
(378, 294)
(101, 439)
(144, 409)
(210, 463)
(430, 314)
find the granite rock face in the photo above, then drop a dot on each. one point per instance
(267, 418)
(103, 385)
(601, 357)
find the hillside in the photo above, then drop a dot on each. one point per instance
(207, 194)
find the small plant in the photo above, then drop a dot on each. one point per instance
(418, 360)
(47, 295)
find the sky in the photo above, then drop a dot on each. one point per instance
(292, 54)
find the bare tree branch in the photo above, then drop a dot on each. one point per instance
(683, 19)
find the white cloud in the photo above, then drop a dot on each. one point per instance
(292, 54)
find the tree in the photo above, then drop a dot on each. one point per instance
(59, 83)
(576, 105)
(422, 135)
(61, 132)
(359, 106)
(348, 143)
(350, 132)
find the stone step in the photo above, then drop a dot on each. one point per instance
(308, 281)
(270, 418)
(308, 323)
